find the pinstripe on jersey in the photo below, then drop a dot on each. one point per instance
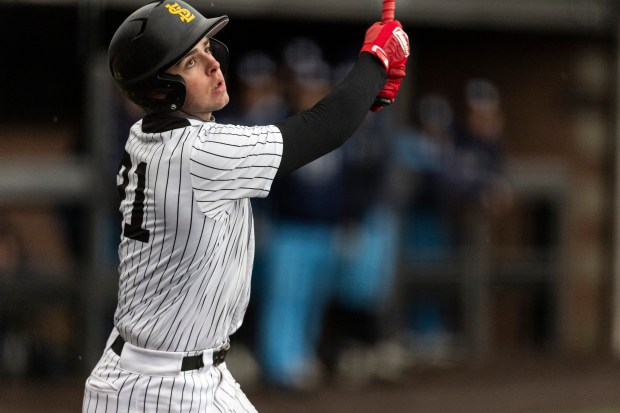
(188, 246)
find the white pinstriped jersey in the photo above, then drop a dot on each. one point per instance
(187, 247)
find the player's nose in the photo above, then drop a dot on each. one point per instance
(211, 64)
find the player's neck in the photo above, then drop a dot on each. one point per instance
(207, 118)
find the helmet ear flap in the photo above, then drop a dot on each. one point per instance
(167, 93)
(220, 53)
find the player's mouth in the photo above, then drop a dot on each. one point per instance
(220, 87)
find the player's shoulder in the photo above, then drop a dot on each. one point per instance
(216, 131)
(159, 123)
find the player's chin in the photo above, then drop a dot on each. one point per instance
(222, 100)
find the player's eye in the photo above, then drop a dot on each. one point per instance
(208, 50)
(190, 63)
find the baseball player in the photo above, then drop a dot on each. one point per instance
(185, 184)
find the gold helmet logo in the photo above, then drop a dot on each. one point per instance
(185, 15)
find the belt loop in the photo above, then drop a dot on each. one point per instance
(219, 356)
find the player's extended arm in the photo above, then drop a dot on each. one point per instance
(328, 124)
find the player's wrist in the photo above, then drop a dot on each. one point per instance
(378, 53)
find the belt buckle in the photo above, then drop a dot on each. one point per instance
(220, 355)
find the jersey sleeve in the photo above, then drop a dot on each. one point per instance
(229, 163)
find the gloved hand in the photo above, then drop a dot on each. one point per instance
(390, 90)
(391, 45)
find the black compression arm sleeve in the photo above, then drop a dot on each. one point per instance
(328, 124)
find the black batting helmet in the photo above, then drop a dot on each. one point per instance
(150, 41)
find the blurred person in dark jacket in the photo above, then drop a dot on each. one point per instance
(301, 252)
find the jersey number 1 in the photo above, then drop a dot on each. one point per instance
(134, 229)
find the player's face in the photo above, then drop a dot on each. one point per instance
(204, 82)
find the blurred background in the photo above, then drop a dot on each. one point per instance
(459, 254)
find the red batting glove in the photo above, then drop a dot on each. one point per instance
(388, 42)
(391, 45)
(387, 95)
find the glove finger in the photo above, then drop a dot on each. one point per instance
(387, 31)
(397, 72)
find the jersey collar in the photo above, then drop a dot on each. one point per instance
(164, 122)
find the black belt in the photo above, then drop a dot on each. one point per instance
(188, 363)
